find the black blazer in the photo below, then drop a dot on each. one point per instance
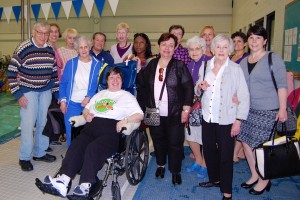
(179, 85)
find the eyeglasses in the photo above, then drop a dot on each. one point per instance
(39, 33)
(161, 74)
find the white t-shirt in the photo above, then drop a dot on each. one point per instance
(81, 81)
(163, 107)
(113, 105)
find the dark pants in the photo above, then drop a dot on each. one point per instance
(88, 152)
(168, 141)
(218, 148)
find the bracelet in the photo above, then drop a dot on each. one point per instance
(241, 120)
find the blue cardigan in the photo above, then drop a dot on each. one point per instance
(67, 81)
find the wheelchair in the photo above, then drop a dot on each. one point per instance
(131, 158)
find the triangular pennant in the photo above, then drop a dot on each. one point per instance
(1, 10)
(7, 12)
(100, 5)
(88, 4)
(56, 8)
(67, 7)
(113, 5)
(25, 12)
(17, 12)
(36, 10)
(77, 6)
(46, 9)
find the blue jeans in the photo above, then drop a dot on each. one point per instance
(34, 114)
(73, 109)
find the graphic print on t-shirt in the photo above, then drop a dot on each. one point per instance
(104, 105)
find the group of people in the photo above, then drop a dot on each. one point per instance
(239, 102)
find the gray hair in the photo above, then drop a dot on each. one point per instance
(39, 24)
(196, 40)
(220, 38)
(82, 39)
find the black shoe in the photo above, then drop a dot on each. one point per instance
(45, 158)
(176, 179)
(209, 184)
(226, 198)
(26, 165)
(247, 186)
(49, 149)
(160, 172)
(267, 188)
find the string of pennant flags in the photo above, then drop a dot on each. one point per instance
(56, 7)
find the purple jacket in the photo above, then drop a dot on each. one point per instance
(195, 66)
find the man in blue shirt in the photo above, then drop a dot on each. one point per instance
(98, 51)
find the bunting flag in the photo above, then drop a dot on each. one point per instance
(88, 4)
(100, 5)
(1, 10)
(67, 7)
(17, 12)
(36, 10)
(7, 12)
(46, 9)
(56, 8)
(113, 5)
(77, 6)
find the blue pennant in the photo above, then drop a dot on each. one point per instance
(1, 10)
(17, 11)
(100, 5)
(36, 10)
(77, 6)
(56, 8)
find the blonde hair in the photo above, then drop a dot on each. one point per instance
(122, 25)
(70, 31)
(207, 27)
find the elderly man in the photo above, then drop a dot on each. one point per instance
(32, 77)
(98, 51)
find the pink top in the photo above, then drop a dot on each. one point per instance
(65, 55)
(59, 64)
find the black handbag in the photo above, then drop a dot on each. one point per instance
(152, 116)
(291, 123)
(278, 160)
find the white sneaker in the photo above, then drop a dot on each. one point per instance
(59, 183)
(82, 190)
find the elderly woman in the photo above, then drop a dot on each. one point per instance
(222, 117)
(99, 138)
(79, 82)
(267, 103)
(123, 48)
(196, 47)
(208, 33)
(239, 45)
(176, 100)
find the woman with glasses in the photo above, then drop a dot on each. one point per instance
(176, 100)
(123, 48)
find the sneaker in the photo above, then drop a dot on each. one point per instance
(82, 190)
(57, 183)
(202, 173)
(193, 167)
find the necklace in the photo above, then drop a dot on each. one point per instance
(123, 47)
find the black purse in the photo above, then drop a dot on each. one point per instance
(278, 160)
(291, 123)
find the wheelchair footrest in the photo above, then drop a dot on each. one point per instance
(46, 188)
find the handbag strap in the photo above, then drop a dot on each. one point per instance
(202, 91)
(271, 70)
(162, 90)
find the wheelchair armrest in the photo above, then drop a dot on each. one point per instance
(130, 127)
(77, 120)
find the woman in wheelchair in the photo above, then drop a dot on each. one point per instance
(106, 113)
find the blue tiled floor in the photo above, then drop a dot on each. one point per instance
(9, 117)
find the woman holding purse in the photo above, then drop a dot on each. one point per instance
(174, 106)
(266, 105)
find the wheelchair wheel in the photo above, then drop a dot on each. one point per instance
(136, 156)
(115, 191)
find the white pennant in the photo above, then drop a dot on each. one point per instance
(67, 7)
(113, 5)
(7, 12)
(46, 9)
(88, 4)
